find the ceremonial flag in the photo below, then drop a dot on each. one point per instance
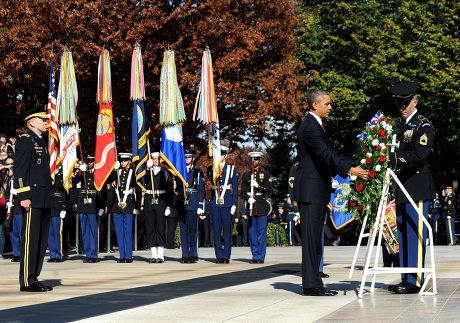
(140, 128)
(339, 199)
(172, 114)
(66, 114)
(105, 156)
(53, 132)
(172, 151)
(206, 111)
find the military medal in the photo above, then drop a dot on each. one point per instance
(87, 200)
(220, 201)
(155, 201)
(122, 204)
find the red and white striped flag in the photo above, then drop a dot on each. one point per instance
(53, 142)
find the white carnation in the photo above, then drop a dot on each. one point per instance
(353, 177)
(369, 155)
(382, 145)
(378, 168)
(375, 142)
(363, 161)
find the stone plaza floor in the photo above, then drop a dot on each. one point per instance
(234, 292)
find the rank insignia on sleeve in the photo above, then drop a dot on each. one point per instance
(450, 202)
(402, 160)
(424, 140)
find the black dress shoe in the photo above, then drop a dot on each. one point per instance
(323, 275)
(47, 288)
(185, 261)
(15, 259)
(152, 261)
(318, 292)
(94, 260)
(120, 260)
(391, 287)
(195, 259)
(51, 260)
(260, 261)
(219, 261)
(128, 261)
(406, 289)
(226, 261)
(34, 288)
(87, 260)
(160, 261)
(252, 261)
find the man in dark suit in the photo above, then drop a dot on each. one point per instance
(34, 191)
(319, 162)
(415, 136)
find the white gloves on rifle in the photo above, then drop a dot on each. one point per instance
(251, 200)
(117, 165)
(199, 211)
(62, 214)
(82, 167)
(233, 209)
(254, 183)
(101, 212)
(149, 163)
(9, 204)
(297, 217)
(167, 211)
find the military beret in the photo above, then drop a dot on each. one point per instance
(404, 90)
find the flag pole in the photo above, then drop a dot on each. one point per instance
(150, 170)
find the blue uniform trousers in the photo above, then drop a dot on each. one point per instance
(55, 237)
(258, 236)
(450, 227)
(16, 233)
(88, 222)
(290, 232)
(124, 230)
(222, 222)
(188, 224)
(412, 239)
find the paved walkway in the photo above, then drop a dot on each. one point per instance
(235, 292)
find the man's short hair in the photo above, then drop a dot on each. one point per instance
(315, 96)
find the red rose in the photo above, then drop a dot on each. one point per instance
(382, 158)
(378, 148)
(371, 174)
(359, 187)
(381, 133)
(360, 208)
(352, 203)
(368, 160)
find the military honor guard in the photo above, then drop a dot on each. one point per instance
(122, 202)
(13, 213)
(157, 200)
(256, 187)
(415, 136)
(222, 205)
(449, 215)
(193, 208)
(88, 205)
(435, 213)
(34, 193)
(58, 214)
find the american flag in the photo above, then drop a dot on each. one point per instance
(53, 146)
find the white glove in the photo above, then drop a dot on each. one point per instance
(149, 163)
(82, 167)
(245, 217)
(296, 218)
(101, 212)
(117, 165)
(254, 183)
(251, 200)
(135, 212)
(233, 209)
(62, 214)
(449, 217)
(199, 211)
(167, 211)
(9, 204)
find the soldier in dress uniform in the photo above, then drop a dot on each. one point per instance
(34, 191)
(88, 206)
(13, 213)
(157, 203)
(193, 208)
(58, 213)
(435, 213)
(256, 187)
(415, 136)
(449, 215)
(222, 205)
(122, 202)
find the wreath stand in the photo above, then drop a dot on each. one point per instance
(377, 228)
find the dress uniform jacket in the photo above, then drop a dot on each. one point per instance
(449, 215)
(261, 193)
(33, 181)
(113, 199)
(59, 195)
(54, 238)
(15, 221)
(415, 144)
(228, 182)
(194, 198)
(87, 198)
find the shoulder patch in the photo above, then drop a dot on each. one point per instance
(424, 140)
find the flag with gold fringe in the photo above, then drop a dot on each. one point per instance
(105, 155)
(206, 111)
(140, 125)
(66, 114)
(172, 115)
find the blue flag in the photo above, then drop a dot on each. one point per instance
(140, 134)
(339, 200)
(172, 151)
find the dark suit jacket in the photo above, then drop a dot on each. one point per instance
(319, 162)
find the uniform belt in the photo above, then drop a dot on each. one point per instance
(59, 194)
(192, 190)
(223, 187)
(258, 193)
(157, 192)
(88, 191)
